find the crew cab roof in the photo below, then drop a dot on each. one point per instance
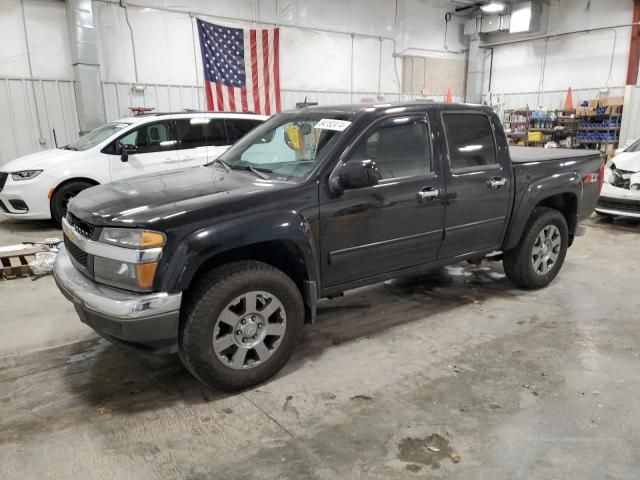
(390, 107)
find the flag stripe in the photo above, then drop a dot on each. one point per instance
(207, 88)
(265, 70)
(260, 69)
(219, 98)
(232, 99)
(248, 65)
(254, 72)
(276, 67)
(243, 99)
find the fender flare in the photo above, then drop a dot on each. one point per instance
(194, 250)
(537, 192)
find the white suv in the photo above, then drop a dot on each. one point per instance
(39, 186)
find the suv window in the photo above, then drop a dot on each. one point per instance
(470, 139)
(238, 128)
(398, 150)
(150, 137)
(201, 131)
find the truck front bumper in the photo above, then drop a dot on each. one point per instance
(143, 321)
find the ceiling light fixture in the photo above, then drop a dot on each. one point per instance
(492, 7)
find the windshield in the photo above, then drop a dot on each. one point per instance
(634, 147)
(288, 146)
(97, 136)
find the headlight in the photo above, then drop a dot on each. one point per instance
(127, 275)
(133, 237)
(25, 175)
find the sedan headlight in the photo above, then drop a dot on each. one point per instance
(25, 175)
(138, 275)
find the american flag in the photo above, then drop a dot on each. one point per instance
(241, 68)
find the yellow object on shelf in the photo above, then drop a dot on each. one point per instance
(534, 137)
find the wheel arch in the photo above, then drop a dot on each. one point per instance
(282, 240)
(562, 193)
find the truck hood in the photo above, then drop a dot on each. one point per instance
(40, 160)
(151, 198)
(629, 161)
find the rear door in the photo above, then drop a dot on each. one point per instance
(391, 226)
(478, 184)
(200, 140)
(155, 144)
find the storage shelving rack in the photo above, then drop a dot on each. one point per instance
(517, 121)
(599, 131)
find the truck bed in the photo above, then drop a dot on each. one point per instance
(534, 154)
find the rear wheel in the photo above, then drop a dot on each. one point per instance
(62, 196)
(240, 325)
(537, 259)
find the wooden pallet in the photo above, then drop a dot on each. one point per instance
(15, 264)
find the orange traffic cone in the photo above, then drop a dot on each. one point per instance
(568, 103)
(449, 97)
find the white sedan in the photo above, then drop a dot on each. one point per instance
(39, 186)
(620, 195)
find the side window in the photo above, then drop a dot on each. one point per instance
(151, 137)
(398, 150)
(200, 132)
(238, 128)
(470, 139)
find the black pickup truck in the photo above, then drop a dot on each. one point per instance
(225, 263)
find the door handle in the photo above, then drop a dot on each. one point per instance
(496, 182)
(428, 193)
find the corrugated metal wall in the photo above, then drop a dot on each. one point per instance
(551, 99)
(32, 109)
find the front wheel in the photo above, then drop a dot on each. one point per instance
(240, 325)
(537, 259)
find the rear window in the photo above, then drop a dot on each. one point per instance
(470, 140)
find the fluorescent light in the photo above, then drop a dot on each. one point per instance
(492, 7)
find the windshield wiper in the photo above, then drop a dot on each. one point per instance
(68, 147)
(223, 163)
(252, 169)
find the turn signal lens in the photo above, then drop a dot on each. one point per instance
(151, 239)
(133, 237)
(145, 274)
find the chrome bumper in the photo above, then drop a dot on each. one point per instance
(147, 320)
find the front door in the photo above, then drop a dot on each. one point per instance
(154, 146)
(391, 226)
(478, 185)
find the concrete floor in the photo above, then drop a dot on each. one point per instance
(455, 374)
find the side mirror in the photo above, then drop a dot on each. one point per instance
(354, 174)
(126, 150)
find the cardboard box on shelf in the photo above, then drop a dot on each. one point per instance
(585, 111)
(594, 103)
(605, 102)
(614, 110)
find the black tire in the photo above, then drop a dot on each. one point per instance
(519, 262)
(62, 196)
(206, 302)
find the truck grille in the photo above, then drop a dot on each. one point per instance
(76, 253)
(83, 228)
(619, 204)
(3, 179)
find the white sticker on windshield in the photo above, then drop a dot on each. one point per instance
(331, 124)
